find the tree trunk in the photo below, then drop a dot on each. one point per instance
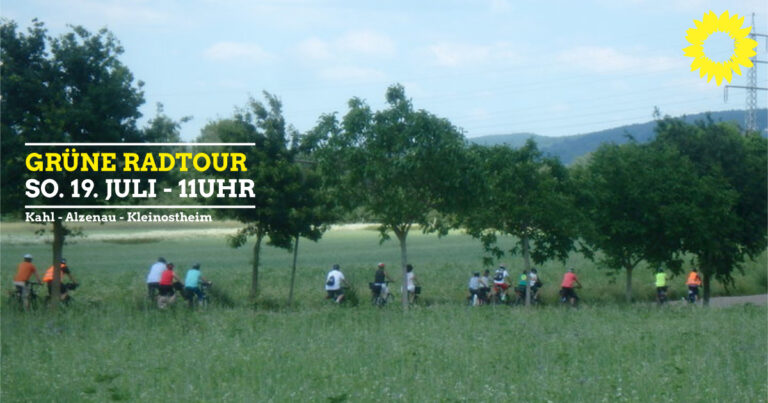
(706, 282)
(58, 247)
(527, 259)
(293, 270)
(628, 288)
(255, 273)
(401, 236)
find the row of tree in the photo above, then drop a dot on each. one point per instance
(696, 190)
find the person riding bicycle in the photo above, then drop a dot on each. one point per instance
(168, 281)
(153, 278)
(333, 282)
(474, 289)
(380, 279)
(500, 284)
(485, 286)
(24, 271)
(693, 283)
(535, 284)
(411, 283)
(63, 288)
(192, 282)
(522, 286)
(661, 285)
(567, 292)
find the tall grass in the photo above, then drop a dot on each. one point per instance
(111, 345)
(437, 353)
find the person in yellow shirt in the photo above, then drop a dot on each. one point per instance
(693, 283)
(661, 286)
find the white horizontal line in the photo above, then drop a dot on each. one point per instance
(139, 207)
(140, 144)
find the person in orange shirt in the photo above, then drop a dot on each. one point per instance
(24, 271)
(64, 288)
(693, 283)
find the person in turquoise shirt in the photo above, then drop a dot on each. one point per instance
(192, 284)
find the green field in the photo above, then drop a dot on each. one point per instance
(109, 346)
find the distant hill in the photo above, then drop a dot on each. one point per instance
(568, 148)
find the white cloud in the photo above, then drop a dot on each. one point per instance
(237, 51)
(367, 43)
(459, 54)
(352, 73)
(314, 48)
(500, 6)
(609, 60)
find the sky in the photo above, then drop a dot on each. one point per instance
(552, 68)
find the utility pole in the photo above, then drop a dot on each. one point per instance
(750, 119)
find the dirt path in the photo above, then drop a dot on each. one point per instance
(761, 299)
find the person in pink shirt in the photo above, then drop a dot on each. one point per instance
(567, 293)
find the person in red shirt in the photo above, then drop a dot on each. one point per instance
(167, 292)
(567, 293)
(24, 272)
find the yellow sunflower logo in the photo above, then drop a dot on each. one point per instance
(743, 47)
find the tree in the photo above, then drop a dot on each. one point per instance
(636, 199)
(728, 212)
(285, 200)
(402, 165)
(67, 89)
(526, 195)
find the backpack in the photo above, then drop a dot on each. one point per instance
(331, 281)
(499, 276)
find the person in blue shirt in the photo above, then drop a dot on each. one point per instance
(192, 284)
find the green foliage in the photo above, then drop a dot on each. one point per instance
(288, 200)
(729, 208)
(520, 192)
(399, 164)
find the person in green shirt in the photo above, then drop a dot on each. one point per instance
(661, 285)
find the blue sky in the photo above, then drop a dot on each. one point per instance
(490, 66)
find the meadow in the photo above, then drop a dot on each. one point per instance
(109, 345)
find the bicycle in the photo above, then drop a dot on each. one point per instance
(202, 301)
(377, 299)
(498, 295)
(16, 297)
(661, 295)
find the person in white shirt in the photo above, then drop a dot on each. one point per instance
(153, 278)
(333, 282)
(500, 283)
(411, 282)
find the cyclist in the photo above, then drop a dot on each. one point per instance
(24, 271)
(167, 292)
(661, 285)
(485, 286)
(522, 285)
(192, 283)
(333, 283)
(411, 282)
(566, 287)
(474, 289)
(153, 278)
(693, 283)
(63, 288)
(535, 284)
(500, 284)
(380, 279)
